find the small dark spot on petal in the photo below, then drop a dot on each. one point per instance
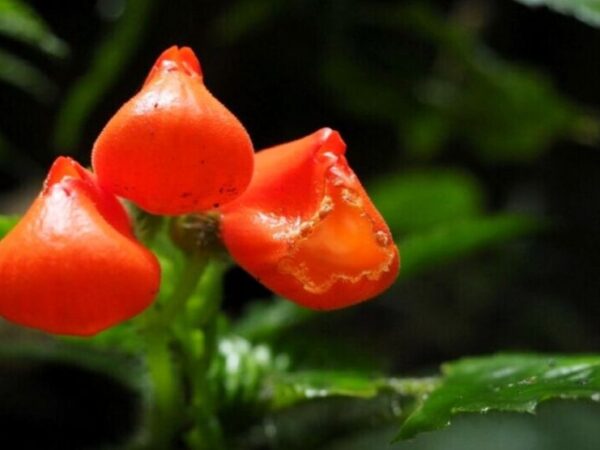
(185, 194)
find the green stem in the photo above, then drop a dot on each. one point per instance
(202, 342)
(161, 320)
(167, 393)
(167, 401)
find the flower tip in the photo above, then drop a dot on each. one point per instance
(329, 143)
(189, 58)
(63, 167)
(178, 58)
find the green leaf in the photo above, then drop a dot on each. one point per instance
(414, 201)
(21, 74)
(20, 22)
(109, 60)
(421, 251)
(505, 382)
(283, 390)
(587, 11)
(6, 224)
(289, 389)
(557, 426)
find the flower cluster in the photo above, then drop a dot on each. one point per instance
(295, 216)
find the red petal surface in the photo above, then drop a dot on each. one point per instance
(306, 228)
(173, 148)
(72, 265)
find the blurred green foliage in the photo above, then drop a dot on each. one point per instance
(446, 243)
(21, 22)
(502, 111)
(21, 74)
(414, 201)
(110, 58)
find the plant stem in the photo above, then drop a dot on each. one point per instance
(206, 432)
(175, 304)
(167, 396)
(167, 401)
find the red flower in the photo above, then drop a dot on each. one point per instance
(72, 265)
(173, 148)
(306, 228)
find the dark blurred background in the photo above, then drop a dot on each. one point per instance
(475, 124)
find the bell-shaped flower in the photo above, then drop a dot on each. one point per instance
(173, 148)
(72, 265)
(306, 229)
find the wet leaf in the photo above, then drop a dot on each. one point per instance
(283, 390)
(505, 382)
(289, 389)
(557, 426)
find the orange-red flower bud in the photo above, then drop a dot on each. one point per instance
(72, 265)
(306, 228)
(173, 148)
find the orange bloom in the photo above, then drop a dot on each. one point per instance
(306, 228)
(72, 265)
(173, 148)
